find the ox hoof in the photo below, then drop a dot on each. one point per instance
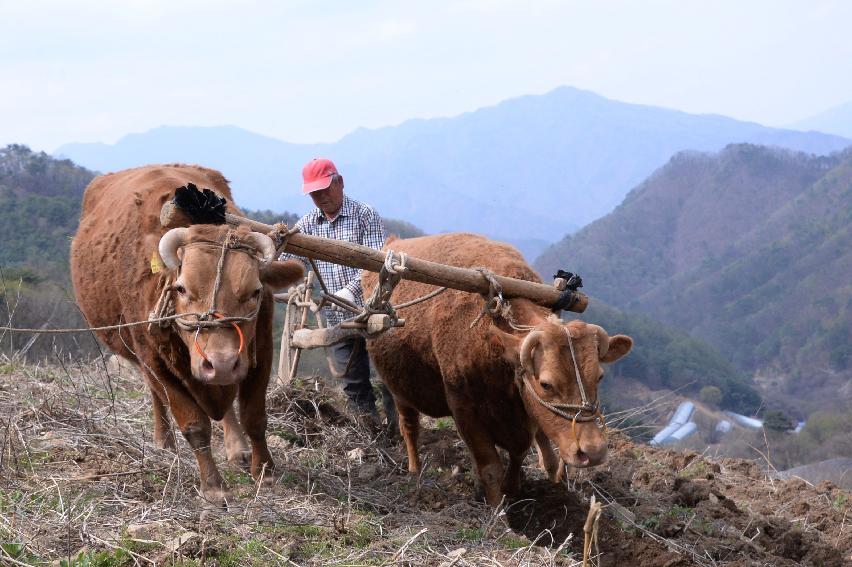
(217, 497)
(237, 449)
(479, 492)
(240, 459)
(263, 472)
(557, 476)
(165, 441)
(267, 480)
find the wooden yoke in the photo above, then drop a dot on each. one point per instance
(366, 258)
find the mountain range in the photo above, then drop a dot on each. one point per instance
(749, 249)
(836, 120)
(528, 170)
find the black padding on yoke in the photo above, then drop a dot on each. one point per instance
(203, 207)
(569, 294)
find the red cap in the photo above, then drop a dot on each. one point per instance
(317, 174)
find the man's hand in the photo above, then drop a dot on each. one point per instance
(345, 295)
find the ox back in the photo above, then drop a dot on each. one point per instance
(437, 342)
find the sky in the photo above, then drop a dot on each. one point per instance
(313, 71)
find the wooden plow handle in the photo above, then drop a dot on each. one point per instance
(423, 271)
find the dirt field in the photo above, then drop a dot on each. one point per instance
(82, 485)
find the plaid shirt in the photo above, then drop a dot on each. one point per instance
(356, 222)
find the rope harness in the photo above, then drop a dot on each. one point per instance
(163, 315)
(163, 312)
(379, 303)
(585, 411)
(499, 308)
(496, 305)
(389, 276)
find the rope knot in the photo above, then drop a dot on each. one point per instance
(495, 304)
(393, 265)
(280, 234)
(230, 240)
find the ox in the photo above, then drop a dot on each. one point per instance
(123, 266)
(506, 380)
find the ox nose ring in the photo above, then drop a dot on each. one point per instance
(218, 315)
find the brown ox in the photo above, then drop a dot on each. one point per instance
(439, 366)
(118, 277)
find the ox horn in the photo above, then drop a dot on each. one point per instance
(169, 244)
(263, 244)
(530, 342)
(602, 339)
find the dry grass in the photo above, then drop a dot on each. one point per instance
(82, 484)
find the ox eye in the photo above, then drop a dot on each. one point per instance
(180, 289)
(546, 386)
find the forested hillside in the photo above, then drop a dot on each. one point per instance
(664, 358)
(39, 208)
(40, 200)
(749, 249)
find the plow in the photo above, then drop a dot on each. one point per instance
(378, 315)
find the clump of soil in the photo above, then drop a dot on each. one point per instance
(81, 479)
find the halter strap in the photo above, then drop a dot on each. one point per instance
(573, 412)
(214, 318)
(583, 398)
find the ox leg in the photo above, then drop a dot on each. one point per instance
(253, 417)
(409, 426)
(485, 456)
(547, 459)
(236, 446)
(514, 476)
(164, 437)
(195, 427)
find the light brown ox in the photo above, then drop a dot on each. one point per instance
(438, 366)
(113, 274)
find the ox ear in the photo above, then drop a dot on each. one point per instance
(619, 345)
(278, 276)
(508, 345)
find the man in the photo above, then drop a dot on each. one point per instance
(341, 218)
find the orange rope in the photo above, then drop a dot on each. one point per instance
(218, 315)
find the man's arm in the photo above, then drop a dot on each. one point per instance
(372, 235)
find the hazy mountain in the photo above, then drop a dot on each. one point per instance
(534, 167)
(837, 120)
(749, 249)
